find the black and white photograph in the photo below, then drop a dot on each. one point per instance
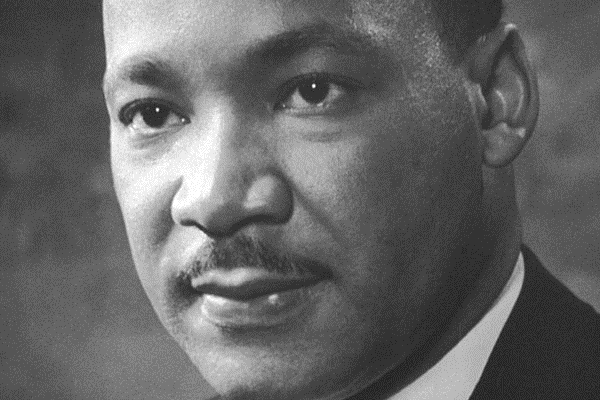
(300, 199)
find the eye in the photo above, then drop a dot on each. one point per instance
(150, 117)
(316, 94)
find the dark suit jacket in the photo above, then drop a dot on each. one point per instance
(549, 348)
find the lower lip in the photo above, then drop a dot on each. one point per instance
(261, 312)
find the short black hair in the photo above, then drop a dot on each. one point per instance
(462, 22)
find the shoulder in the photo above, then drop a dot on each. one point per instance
(549, 347)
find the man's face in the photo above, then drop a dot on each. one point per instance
(296, 179)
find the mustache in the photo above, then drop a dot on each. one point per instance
(242, 251)
(228, 254)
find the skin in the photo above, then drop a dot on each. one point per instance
(400, 189)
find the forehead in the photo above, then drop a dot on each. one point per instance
(208, 29)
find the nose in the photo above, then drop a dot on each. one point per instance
(227, 184)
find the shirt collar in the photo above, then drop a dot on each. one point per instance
(458, 372)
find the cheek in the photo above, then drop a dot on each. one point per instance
(395, 184)
(144, 193)
(368, 184)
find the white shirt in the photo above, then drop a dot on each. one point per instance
(458, 372)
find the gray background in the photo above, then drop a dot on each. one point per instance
(75, 322)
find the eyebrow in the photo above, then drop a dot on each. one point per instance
(150, 70)
(145, 70)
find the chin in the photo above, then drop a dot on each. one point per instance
(267, 392)
(265, 377)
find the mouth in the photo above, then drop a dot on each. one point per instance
(248, 298)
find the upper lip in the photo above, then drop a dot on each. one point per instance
(245, 283)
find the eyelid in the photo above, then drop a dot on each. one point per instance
(129, 110)
(288, 88)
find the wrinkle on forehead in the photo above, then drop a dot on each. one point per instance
(186, 29)
(118, 14)
(378, 17)
(406, 26)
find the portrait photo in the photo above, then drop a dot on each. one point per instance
(308, 199)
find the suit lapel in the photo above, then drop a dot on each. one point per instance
(542, 348)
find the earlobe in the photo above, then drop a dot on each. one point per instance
(507, 99)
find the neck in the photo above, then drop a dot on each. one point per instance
(496, 247)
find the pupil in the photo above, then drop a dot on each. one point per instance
(155, 116)
(314, 92)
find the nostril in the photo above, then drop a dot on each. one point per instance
(212, 231)
(216, 219)
(258, 219)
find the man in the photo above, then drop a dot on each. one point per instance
(319, 198)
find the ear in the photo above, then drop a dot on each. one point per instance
(507, 98)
